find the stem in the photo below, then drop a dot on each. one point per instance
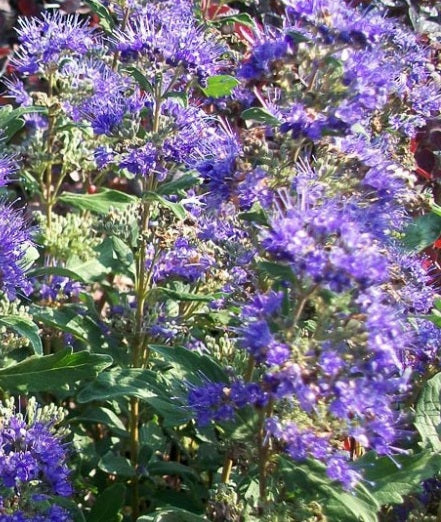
(138, 343)
(176, 75)
(134, 451)
(227, 467)
(263, 454)
(301, 305)
(157, 112)
(57, 186)
(228, 461)
(313, 77)
(49, 200)
(250, 369)
(140, 349)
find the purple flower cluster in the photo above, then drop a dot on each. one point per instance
(263, 55)
(32, 465)
(31, 453)
(59, 287)
(45, 41)
(219, 402)
(324, 243)
(325, 304)
(14, 241)
(168, 37)
(255, 334)
(331, 245)
(184, 262)
(372, 59)
(7, 169)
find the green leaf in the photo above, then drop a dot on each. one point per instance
(144, 384)
(11, 120)
(101, 202)
(26, 328)
(108, 504)
(182, 183)
(358, 128)
(113, 256)
(172, 515)
(177, 209)
(55, 270)
(145, 454)
(124, 256)
(69, 319)
(422, 232)
(121, 382)
(88, 271)
(428, 413)
(347, 506)
(102, 416)
(256, 214)
(187, 296)
(298, 37)
(116, 465)
(190, 500)
(220, 85)
(309, 480)
(140, 78)
(106, 20)
(240, 18)
(179, 97)
(190, 365)
(172, 468)
(173, 413)
(53, 371)
(436, 209)
(30, 256)
(260, 115)
(434, 317)
(391, 479)
(277, 270)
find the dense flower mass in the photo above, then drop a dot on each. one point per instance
(167, 35)
(235, 276)
(337, 244)
(14, 239)
(45, 41)
(32, 465)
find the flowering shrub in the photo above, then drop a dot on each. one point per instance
(217, 255)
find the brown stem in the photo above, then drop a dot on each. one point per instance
(250, 369)
(301, 304)
(263, 448)
(140, 346)
(226, 469)
(47, 345)
(138, 343)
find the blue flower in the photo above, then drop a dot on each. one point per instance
(44, 41)
(32, 464)
(14, 241)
